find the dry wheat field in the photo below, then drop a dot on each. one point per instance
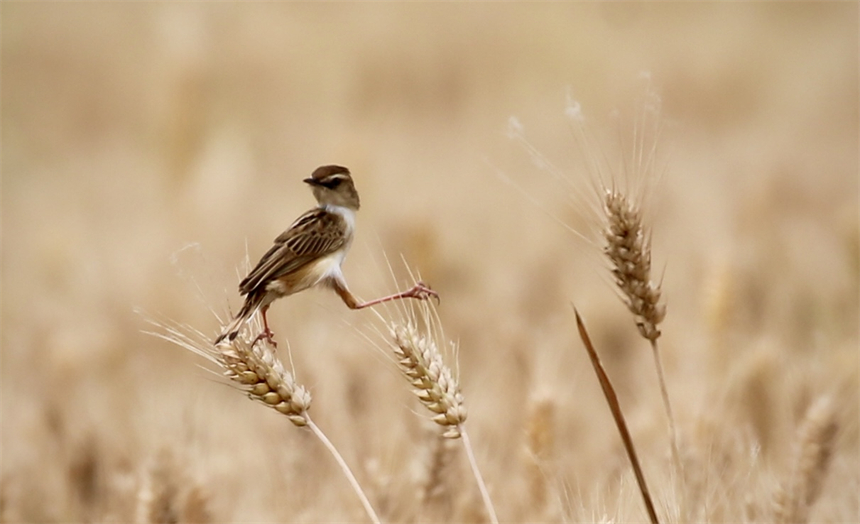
(685, 175)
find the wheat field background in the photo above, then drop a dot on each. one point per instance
(148, 148)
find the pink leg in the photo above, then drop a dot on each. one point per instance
(419, 291)
(267, 333)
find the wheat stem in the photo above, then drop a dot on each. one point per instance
(664, 392)
(485, 494)
(345, 468)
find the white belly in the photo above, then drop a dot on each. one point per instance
(324, 269)
(327, 268)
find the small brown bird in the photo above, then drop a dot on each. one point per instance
(310, 253)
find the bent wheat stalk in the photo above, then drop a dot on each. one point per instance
(253, 365)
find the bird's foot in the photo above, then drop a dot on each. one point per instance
(421, 291)
(266, 335)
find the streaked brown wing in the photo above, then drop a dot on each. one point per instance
(313, 235)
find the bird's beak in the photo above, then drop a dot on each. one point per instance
(311, 181)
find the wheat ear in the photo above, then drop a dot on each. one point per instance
(628, 247)
(812, 457)
(253, 364)
(432, 381)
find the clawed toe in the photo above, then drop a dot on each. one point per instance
(422, 291)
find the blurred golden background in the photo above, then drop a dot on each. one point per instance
(148, 147)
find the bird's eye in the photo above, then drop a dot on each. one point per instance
(334, 183)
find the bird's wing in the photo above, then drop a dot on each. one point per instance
(313, 235)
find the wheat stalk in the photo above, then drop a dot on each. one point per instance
(813, 453)
(253, 365)
(433, 382)
(621, 230)
(628, 248)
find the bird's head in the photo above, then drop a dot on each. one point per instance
(333, 186)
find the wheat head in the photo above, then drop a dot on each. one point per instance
(255, 366)
(420, 361)
(251, 363)
(628, 247)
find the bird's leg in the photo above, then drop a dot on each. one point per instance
(267, 333)
(419, 291)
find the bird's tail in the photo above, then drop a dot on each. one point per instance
(231, 330)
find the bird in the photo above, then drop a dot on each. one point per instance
(310, 253)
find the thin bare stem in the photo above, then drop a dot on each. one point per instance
(346, 471)
(676, 455)
(615, 407)
(485, 495)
